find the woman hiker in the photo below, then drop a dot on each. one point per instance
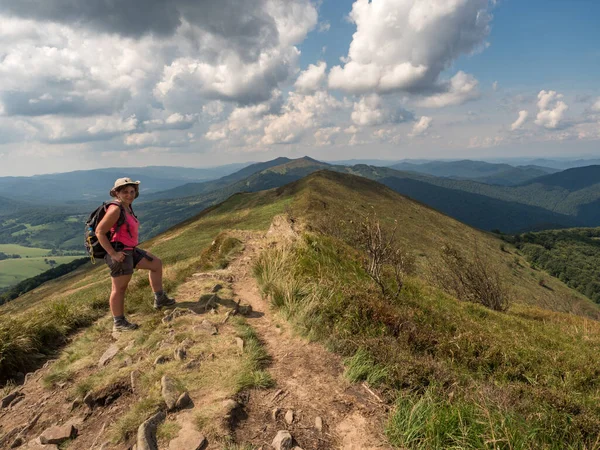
(123, 255)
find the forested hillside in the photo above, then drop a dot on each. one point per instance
(571, 255)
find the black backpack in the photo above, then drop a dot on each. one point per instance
(92, 246)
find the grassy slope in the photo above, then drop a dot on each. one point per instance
(13, 271)
(32, 326)
(461, 376)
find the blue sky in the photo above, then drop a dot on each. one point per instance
(532, 42)
(88, 84)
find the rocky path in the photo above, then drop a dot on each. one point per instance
(311, 402)
(327, 411)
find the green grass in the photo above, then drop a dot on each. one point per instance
(13, 271)
(33, 326)
(12, 249)
(537, 371)
(256, 359)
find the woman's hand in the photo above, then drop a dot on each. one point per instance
(118, 256)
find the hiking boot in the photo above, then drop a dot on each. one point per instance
(163, 300)
(124, 325)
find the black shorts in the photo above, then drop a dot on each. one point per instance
(132, 259)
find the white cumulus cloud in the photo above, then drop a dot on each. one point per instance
(370, 111)
(421, 126)
(517, 124)
(312, 78)
(551, 109)
(461, 88)
(404, 45)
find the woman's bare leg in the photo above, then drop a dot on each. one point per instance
(117, 295)
(155, 271)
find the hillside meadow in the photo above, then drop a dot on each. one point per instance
(455, 374)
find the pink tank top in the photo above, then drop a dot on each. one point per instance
(126, 235)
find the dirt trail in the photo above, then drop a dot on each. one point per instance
(309, 380)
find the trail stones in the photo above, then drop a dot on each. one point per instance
(177, 312)
(183, 401)
(169, 391)
(283, 441)
(10, 398)
(206, 327)
(319, 424)
(146, 436)
(289, 417)
(189, 439)
(180, 353)
(35, 445)
(58, 434)
(108, 355)
(240, 344)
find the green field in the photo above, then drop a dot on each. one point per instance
(11, 249)
(13, 271)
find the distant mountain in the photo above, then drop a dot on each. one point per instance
(190, 189)
(571, 179)
(86, 185)
(483, 172)
(158, 215)
(9, 206)
(371, 162)
(545, 203)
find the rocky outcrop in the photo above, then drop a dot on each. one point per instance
(283, 441)
(189, 439)
(146, 437)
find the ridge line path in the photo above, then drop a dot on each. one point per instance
(308, 378)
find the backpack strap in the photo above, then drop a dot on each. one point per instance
(122, 218)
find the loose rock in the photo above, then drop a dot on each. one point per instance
(183, 401)
(289, 417)
(35, 445)
(189, 439)
(240, 343)
(58, 434)
(170, 392)
(217, 287)
(208, 327)
(283, 441)
(319, 424)
(6, 401)
(180, 353)
(108, 355)
(146, 437)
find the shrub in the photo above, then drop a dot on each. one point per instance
(471, 279)
(384, 260)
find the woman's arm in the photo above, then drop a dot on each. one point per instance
(108, 221)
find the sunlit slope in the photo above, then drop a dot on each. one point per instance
(456, 374)
(35, 324)
(333, 197)
(38, 321)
